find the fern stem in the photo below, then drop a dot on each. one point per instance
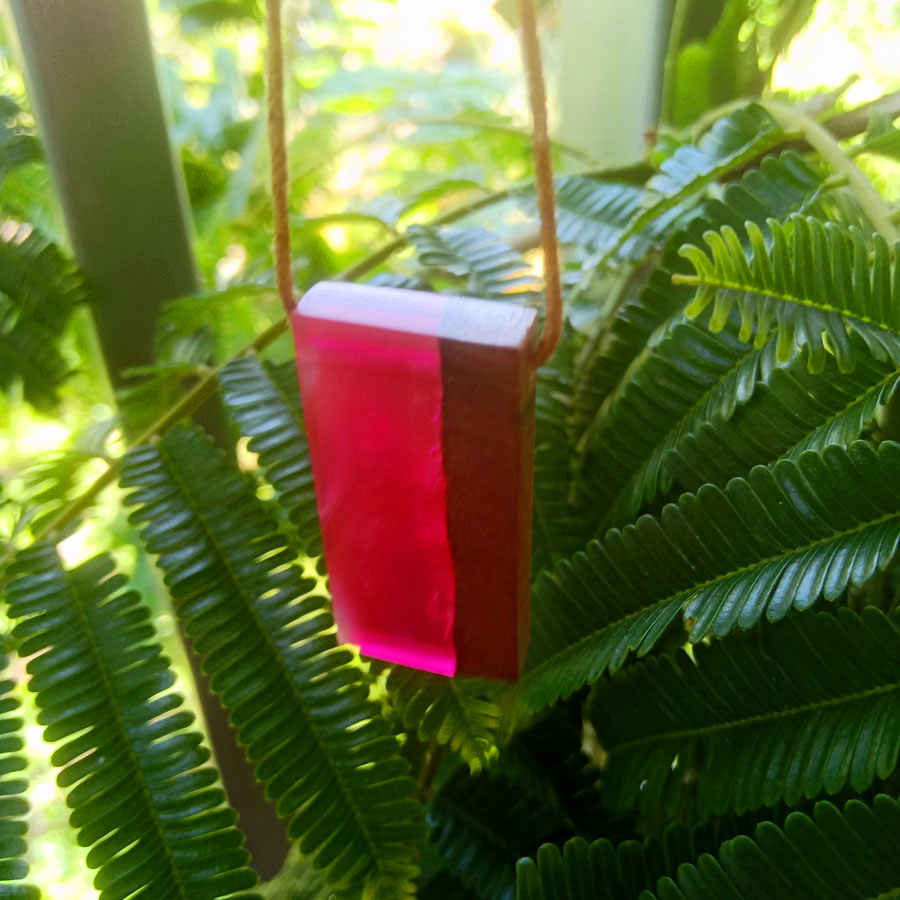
(429, 770)
(670, 64)
(819, 138)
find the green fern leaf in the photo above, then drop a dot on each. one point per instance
(141, 794)
(777, 540)
(264, 401)
(618, 341)
(600, 869)
(39, 288)
(558, 526)
(756, 412)
(490, 267)
(397, 280)
(301, 709)
(733, 141)
(453, 711)
(676, 377)
(51, 483)
(481, 825)
(820, 715)
(850, 422)
(780, 186)
(593, 212)
(792, 411)
(13, 807)
(814, 286)
(682, 369)
(849, 854)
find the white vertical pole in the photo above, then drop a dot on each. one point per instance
(611, 55)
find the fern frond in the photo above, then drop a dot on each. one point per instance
(808, 707)
(777, 540)
(13, 807)
(733, 141)
(813, 284)
(791, 412)
(264, 401)
(453, 711)
(39, 288)
(300, 707)
(620, 339)
(558, 527)
(398, 280)
(849, 422)
(849, 854)
(51, 483)
(759, 411)
(592, 213)
(482, 825)
(601, 869)
(141, 794)
(679, 373)
(779, 187)
(491, 268)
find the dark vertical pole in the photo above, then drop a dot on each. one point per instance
(93, 88)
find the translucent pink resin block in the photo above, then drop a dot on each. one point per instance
(419, 410)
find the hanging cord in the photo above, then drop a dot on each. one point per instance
(531, 52)
(543, 179)
(278, 151)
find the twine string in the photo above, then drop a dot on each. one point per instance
(543, 180)
(278, 151)
(543, 170)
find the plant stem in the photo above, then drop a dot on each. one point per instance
(429, 769)
(818, 137)
(670, 64)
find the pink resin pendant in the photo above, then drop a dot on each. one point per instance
(419, 411)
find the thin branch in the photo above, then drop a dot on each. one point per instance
(856, 120)
(827, 146)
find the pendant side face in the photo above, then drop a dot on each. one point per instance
(420, 419)
(488, 437)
